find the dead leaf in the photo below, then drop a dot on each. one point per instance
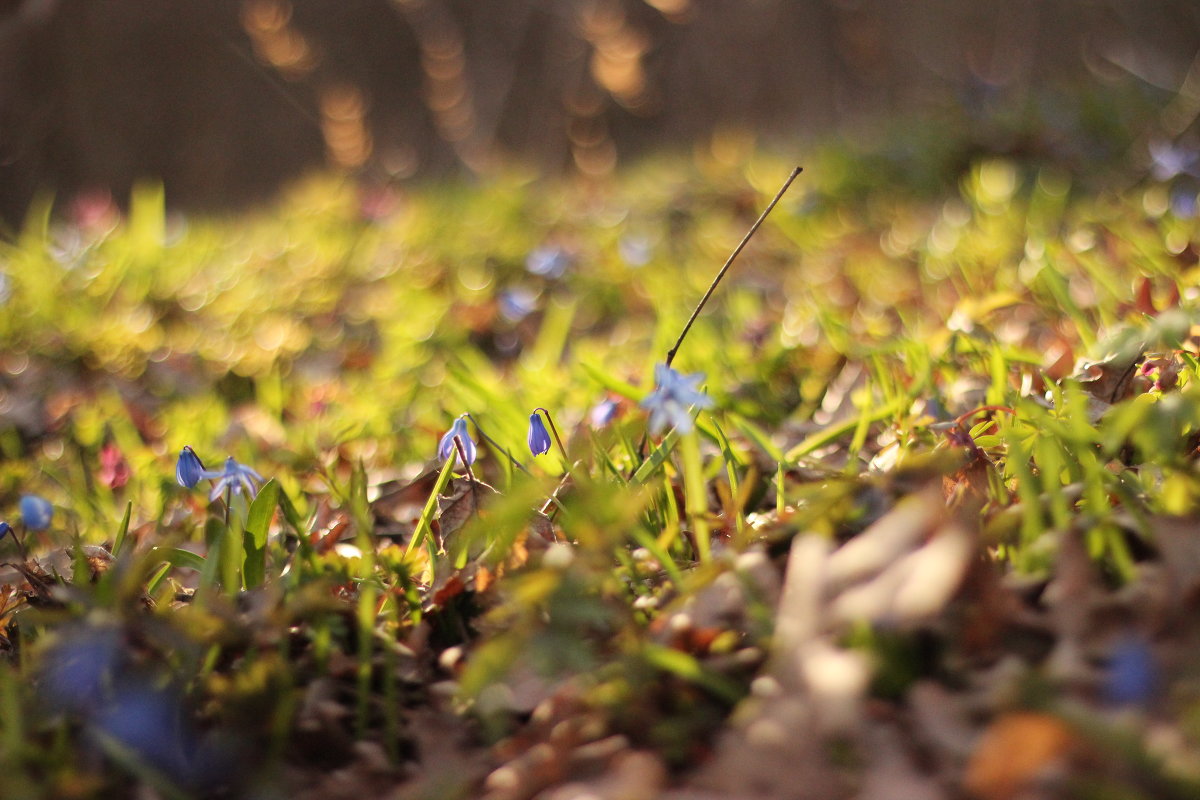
(1015, 752)
(465, 499)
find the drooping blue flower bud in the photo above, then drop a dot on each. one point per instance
(5, 529)
(446, 445)
(36, 512)
(188, 469)
(539, 437)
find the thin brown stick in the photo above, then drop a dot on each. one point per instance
(729, 262)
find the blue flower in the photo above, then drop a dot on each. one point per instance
(234, 477)
(1132, 672)
(77, 668)
(36, 512)
(5, 529)
(1169, 160)
(604, 412)
(548, 261)
(446, 445)
(517, 304)
(189, 469)
(673, 394)
(539, 437)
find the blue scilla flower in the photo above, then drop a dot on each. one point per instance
(548, 261)
(539, 437)
(1132, 673)
(673, 394)
(446, 445)
(189, 469)
(233, 477)
(604, 413)
(36, 512)
(5, 529)
(518, 303)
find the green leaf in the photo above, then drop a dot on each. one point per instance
(685, 666)
(123, 530)
(258, 519)
(178, 557)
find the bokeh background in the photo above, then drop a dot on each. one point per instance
(225, 101)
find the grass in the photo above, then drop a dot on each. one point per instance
(868, 343)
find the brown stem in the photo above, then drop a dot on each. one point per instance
(729, 262)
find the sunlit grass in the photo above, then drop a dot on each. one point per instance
(865, 345)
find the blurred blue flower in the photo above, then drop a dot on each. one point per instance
(1183, 202)
(234, 477)
(603, 413)
(1169, 160)
(673, 394)
(539, 437)
(518, 303)
(189, 469)
(76, 671)
(1132, 672)
(548, 261)
(446, 445)
(36, 512)
(151, 723)
(636, 250)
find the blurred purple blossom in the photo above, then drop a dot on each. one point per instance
(77, 670)
(548, 261)
(604, 413)
(674, 393)
(1132, 672)
(36, 512)
(517, 303)
(636, 250)
(1170, 160)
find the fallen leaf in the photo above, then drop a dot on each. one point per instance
(1015, 751)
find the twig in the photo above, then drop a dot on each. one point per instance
(462, 457)
(729, 262)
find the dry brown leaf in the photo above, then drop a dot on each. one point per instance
(1016, 752)
(464, 500)
(1178, 540)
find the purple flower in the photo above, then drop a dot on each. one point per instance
(233, 477)
(673, 394)
(77, 668)
(459, 430)
(518, 303)
(36, 512)
(1132, 672)
(1169, 160)
(189, 469)
(548, 261)
(539, 437)
(636, 250)
(604, 412)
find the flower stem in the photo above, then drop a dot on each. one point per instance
(729, 262)
(496, 445)
(554, 430)
(695, 493)
(462, 457)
